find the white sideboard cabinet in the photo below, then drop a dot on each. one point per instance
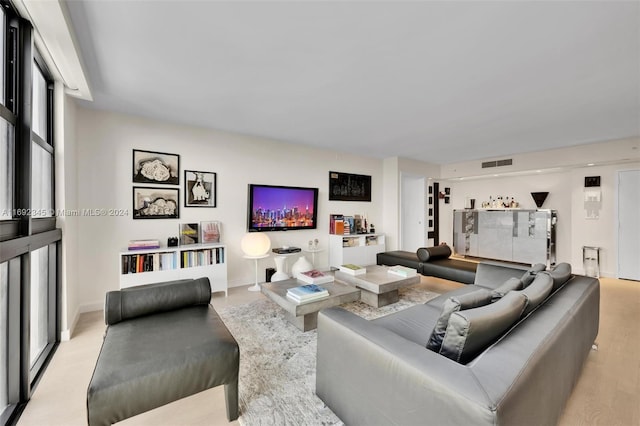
(138, 267)
(523, 236)
(359, 249)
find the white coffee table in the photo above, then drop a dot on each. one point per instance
(378, 286)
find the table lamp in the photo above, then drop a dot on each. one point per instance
(255, 245)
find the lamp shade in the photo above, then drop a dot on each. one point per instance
(255, 244)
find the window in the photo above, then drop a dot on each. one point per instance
(39, 302)
(40, 101)
(4, 313)
(29, 317)
(7, 150)
(41, 187)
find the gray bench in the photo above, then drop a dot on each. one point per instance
(163, 342)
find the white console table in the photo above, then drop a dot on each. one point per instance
(359, 249)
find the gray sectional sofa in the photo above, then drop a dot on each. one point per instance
(510, 352)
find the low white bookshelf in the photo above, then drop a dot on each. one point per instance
(359, 249)
(138, 267)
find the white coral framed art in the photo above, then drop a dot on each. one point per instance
(156, 167)
(155, 202)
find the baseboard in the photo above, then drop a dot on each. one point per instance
(65, 335)
(91, 307)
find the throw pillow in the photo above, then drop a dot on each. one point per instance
(470, 332)
(537, 291)
(432, 253)
(509, 285)
(560, 274)
(470, 300)
(528, 276)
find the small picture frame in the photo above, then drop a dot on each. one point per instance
(156, 167)
(199, 189)
(155, 202)
(210, 231)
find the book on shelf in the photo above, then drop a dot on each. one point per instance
(336, 224)
(402, 271)
(143, 244)
(352, 269)
(210, 231)
(189, 233)
(307, 292)
(315, 277)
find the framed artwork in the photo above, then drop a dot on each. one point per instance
(156, 167)
(210, 231)
(349, 187)
(155, 203)
(199, 189)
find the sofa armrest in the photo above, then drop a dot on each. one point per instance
(369, 375)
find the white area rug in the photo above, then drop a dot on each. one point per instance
(278, 361)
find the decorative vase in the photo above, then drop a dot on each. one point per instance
(301, 265)
(280, 274)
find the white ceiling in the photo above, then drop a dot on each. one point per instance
(440, 82)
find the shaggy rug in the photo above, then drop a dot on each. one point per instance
(278, 361)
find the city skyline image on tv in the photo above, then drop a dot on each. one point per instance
(274, 207)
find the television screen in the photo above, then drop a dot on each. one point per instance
(281, 208)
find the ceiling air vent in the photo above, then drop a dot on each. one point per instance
(497, 163)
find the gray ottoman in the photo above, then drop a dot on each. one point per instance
(163, 342)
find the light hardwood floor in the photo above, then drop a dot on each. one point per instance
(608, 392)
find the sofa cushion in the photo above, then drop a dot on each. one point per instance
(560, 275)
(470, 331)
(537, 291)
(414, 324)
(528, 276)
(490, 274)
(474, 299)
(432, 253)
(509, 285)
(149, 299)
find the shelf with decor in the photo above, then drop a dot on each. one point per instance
(358, 249)
(146, 266)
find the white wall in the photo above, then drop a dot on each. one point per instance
(105, 142)
(566, 195)
(66, 200)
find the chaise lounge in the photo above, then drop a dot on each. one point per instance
(163, 342)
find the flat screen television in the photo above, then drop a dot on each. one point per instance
(282, 208)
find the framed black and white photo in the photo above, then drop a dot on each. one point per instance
(199, 189)
(155, 202)
(349, 187)
(156, 167)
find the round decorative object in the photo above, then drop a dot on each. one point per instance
(301, 265)
(255, 244)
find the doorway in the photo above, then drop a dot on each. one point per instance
(412, 212)
(628, 224)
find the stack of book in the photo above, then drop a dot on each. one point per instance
(307, 293)
(144, 244)
(352, 269)
(315, 277)
(402, 271)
